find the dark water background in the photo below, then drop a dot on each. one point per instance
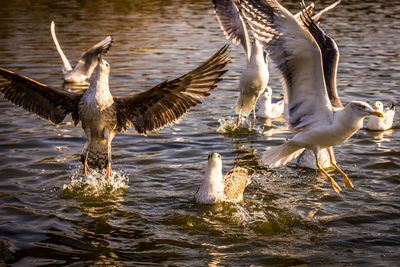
(289, 216)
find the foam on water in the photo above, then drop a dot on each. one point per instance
(96, 185)
(228, 126)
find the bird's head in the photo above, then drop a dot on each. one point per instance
(363, 109)
(267, 93)
(378, 106)
(214, 161)
(104, 66)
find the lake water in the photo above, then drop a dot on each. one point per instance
(51, 215)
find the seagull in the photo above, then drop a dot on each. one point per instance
(298, 58)
(103, 115)
(86, 64)
(267, 109)
(219, 188)
(254, 78)
(380, 124)
(330, 60)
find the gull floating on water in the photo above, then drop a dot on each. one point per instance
(254, 78)
(217, 187)
(380, 124)
(103, 115)
(299, 60)
(87, 62)
(266, 108)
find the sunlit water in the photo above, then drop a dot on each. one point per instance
(51, 215)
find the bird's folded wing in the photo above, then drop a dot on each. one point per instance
(330, 57)
(88, 61)
(232, 24)
(297, 57)
(49, 103)
(168, 101)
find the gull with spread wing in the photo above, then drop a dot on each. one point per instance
(81, 73)
(254, 78)
(298, 58)
(103, 115)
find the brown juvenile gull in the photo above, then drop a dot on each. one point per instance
(81, 73)
(217, 188)
(298, 58)
(103, 115)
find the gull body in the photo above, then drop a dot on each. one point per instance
(267, 109)
(252, 83)
(381, 124)
(103, 115)
(254, 78)
(82, 71)
(298, 58)
(217, 187)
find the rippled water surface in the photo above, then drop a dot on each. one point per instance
(51, 215)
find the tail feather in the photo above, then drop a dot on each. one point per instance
(245, 104)
(281, 155)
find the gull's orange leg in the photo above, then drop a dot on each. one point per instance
(333, 183)
(346, 180)
(85, 164)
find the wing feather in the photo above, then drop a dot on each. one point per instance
(297, 57)
(168, 101)
(330, 56)
(232, 24)
(49, 103)
(88, 61)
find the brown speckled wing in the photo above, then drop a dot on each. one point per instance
(168, 101)
(236, 181)
(49, 103)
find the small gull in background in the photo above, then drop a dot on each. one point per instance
(87, 62)
(266, 108)
(381, 124)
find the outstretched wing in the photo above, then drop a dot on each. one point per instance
(232, 24)
(330, 56)
(88, 61)
(49, 103)
(331, 6)
(168, 101)
(297, 57)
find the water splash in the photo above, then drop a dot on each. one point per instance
(96, 185)
(228, 126)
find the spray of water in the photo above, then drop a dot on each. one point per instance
(96, 185)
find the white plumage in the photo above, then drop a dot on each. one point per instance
(381, 124)
(266, 108)
(298, 58)
(81, 73)
(254, 78)
(217, 188)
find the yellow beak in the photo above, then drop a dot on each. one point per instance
(377, 113)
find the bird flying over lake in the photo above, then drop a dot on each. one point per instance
(103, 115)
(217, 187)
(298, 59)
(81, 73)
